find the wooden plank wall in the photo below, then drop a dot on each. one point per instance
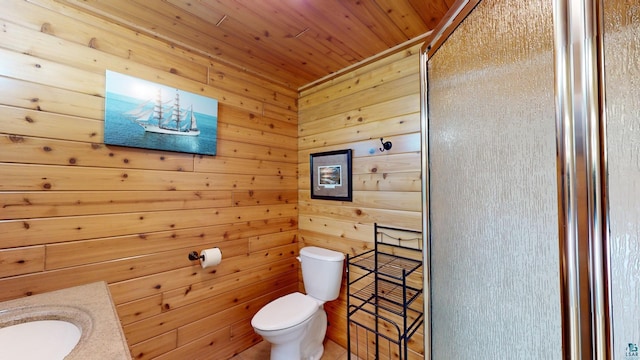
(354, 111)
(75, 211)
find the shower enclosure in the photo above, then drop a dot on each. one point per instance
(531, 132)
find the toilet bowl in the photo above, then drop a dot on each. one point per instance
(295, 324)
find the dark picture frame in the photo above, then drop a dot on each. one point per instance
(331, 175)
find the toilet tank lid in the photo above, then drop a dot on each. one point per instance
(321, 253)
(285, 312)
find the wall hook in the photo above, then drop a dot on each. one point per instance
(386, 145)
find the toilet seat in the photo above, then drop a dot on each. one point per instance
(285, 312)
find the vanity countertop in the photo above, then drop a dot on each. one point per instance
(89, 306)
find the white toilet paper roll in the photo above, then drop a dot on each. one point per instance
(210, 257)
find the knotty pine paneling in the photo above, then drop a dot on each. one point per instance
(367, 97)
(195, 292)
(73, 210)
(18, 120)
(188, 316)
(156, 346)
(366, 79)
(95, 34)
(139, 309)
(22, 260)
(37, 204)
(389, 109)
(58, 229)
(353, 111)
(27, 95)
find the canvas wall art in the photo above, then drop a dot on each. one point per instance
(144, 114)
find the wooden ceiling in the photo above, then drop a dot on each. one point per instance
(292, 42)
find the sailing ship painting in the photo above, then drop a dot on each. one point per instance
(159, 118)
(144, 114)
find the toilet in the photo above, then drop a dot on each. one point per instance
(295, 324)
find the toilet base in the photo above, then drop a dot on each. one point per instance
(292, 352)
(317, 355)
(310, 347)
(285, 351)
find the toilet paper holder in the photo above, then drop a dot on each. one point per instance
(207, 257)
(193, 256)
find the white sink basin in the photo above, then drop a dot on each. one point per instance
(38, 339)
(76, 323)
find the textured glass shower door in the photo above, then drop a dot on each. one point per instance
(622, 75)
(493, 200)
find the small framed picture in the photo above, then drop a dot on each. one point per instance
(331, 175)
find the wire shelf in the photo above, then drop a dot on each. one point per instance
(391, 296)
(382, 307)
(390, 265)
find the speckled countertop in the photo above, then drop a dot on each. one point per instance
(89, 307)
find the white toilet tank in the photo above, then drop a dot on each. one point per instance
(321, 272)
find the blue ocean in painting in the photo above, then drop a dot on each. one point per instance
(123, 127)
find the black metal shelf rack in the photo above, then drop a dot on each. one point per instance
(384, 295)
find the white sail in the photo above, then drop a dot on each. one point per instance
(141, 112)
(194, 125)
(164, 117)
